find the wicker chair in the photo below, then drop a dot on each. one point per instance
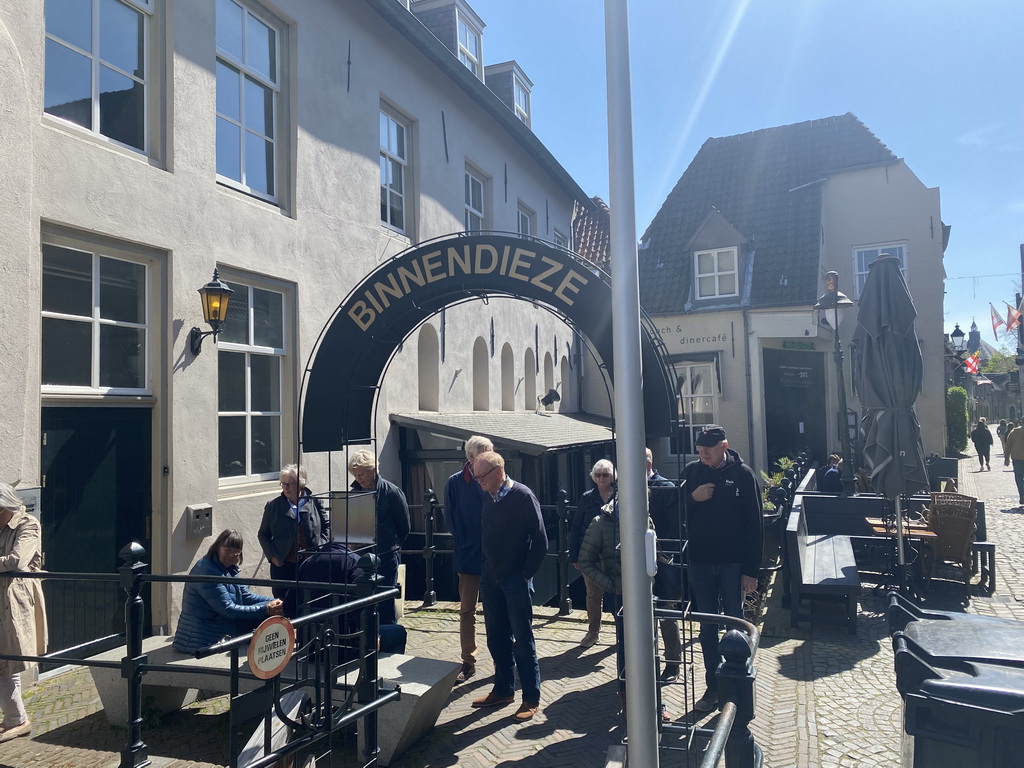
(953, 518)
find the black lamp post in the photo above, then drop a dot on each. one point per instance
(833, 299)
(958, 338)
(215, 296)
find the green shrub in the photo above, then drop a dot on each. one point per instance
(956, 419)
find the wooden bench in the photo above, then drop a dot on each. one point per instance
(821, 566)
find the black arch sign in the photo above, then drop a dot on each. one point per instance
(348, 362)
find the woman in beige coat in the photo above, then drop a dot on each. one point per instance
(22, 612)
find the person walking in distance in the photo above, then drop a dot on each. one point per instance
(982, 440)
(463, 499)
(723, 506)
(514, 543)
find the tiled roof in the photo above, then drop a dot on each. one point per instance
(765, 184)
(591, 232)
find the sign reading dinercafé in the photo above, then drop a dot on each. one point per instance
(271, 647)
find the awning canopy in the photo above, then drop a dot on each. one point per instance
(528, 432)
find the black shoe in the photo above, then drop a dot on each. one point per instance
(708, 702)
(467, 671)
(670, 673)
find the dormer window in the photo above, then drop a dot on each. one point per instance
(521, 95)
(469, 45)
(716, 274)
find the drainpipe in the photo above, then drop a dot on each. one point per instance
(750, 394)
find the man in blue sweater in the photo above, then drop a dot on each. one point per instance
(463, 498)
(514, 544)
(723, 511)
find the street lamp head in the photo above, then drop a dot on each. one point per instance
(833, 298)
(958, 338)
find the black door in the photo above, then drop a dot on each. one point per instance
(96, 497)
(794, 394)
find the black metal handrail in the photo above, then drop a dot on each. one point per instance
(134, 664)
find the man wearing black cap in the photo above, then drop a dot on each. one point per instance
(723, 510)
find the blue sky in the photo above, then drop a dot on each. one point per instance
(938, 81)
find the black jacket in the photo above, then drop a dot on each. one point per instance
(393, 522)
(587, 509)
(278, 529)
(727, 528)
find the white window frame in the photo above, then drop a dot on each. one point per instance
(250, 349)
(390, 155)
(718, 274)
(521, 99)
(863, 255)
(473, 62)
(685, 372)
(473, 177)
(145, 7)
(96, 322)
(275, 87)
(526, 221)
(560, 240)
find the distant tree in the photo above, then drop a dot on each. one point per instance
(956, 419)
(1002, 361)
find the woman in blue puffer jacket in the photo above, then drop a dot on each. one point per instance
(212, 610)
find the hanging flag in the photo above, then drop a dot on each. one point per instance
(996, 321)
(1012, 318)
(971, 363)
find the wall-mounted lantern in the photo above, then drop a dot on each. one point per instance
(215, 296)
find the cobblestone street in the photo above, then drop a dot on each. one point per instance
(824, 699)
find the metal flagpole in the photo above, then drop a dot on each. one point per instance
(638, 618)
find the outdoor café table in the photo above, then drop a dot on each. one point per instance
(912, 532)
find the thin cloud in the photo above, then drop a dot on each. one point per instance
(982, 136)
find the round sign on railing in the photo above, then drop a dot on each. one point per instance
(271, 647)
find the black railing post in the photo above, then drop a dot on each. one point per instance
(429, 509)
(562, 504)
(135, 754)
(369, 631)
(736, 677)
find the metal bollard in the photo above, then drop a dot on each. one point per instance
(562, 504)
(369, 630)
(429, 510)
(135, 753)
(736, 678)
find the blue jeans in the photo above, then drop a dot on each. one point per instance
(508, 616)
(388, 572)
(714, 589)
(1018, 476)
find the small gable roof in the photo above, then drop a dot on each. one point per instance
(766, 184)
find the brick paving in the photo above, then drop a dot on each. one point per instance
(824, 699)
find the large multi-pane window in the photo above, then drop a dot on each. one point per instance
(251, 354)
(469, 45)
(96, 73)
(95, 321)
(698, 403)
(864, 256)
(716, 273)
(248, 90)
(394, 167)
(475, 212)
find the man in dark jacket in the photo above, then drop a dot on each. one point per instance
(463, 499)
(514, 544)
(723, 523)
(393, 522)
